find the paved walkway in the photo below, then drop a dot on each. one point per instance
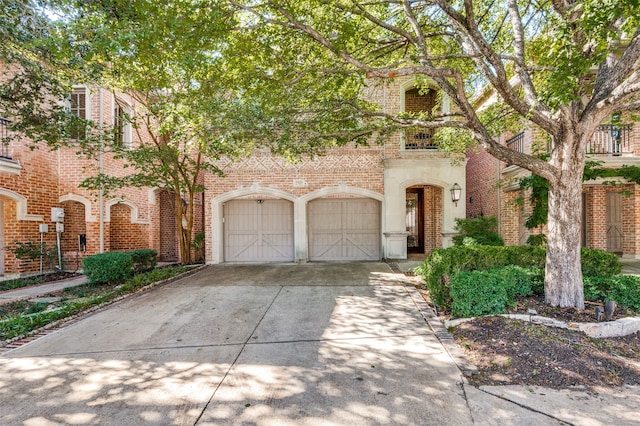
(316, 344)
(39, 290)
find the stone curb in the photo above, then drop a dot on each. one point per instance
(618, 328)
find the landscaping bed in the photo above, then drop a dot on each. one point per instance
(18, 319)
(36, 279)
(483, 282)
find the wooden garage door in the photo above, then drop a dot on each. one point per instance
(344, 229)
(258, 231)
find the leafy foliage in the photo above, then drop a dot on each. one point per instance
(30, 251)
(476, 293)
(539, 187)
(443, 264)
(110, 267)
(600, 263)
(477, 231)
(625, 290)
(143, 260)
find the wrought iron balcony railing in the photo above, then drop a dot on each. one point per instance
(419, 139)
(517, 142)
(612, 139)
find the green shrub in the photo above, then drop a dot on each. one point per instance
(537, 240)
(478, 293)
(625, 290)
(599, 263)
(443, 264)
(143, 260)
(112, 267)
(477, 232)
(521, 281)
(475, 293)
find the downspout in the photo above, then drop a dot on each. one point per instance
(101, 169)
(499, 198)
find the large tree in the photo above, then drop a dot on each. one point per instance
(564, 66)
(162, 61)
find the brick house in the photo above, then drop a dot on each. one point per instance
(32, 182)
(385, 201)
(610, 219)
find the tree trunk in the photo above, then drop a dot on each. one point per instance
(563, 284)
(184, 232)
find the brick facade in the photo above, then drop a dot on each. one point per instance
(132, 218)
(34, 181)
(482, 178)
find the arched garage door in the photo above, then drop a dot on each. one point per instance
(344, 229)
(258, 231)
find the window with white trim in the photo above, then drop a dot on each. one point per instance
(79, 106)
(121, 124)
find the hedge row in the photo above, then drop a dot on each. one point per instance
(476, 293)
(117, 267)
(439, 268)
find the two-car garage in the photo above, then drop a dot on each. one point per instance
(338, 229)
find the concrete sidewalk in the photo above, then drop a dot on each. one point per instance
(40, 289)
(315, 344)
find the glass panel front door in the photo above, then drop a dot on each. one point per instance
(415, 242)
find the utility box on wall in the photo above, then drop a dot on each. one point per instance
(57, 214)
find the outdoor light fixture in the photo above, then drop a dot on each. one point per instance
(456, 192)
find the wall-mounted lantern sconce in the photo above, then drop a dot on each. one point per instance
(456, 192)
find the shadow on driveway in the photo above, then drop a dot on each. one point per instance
(243, 344)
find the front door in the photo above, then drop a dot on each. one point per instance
(614, 222)
(414, 220)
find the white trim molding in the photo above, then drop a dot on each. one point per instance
(21, 206)
(132, 207)
(88, 217)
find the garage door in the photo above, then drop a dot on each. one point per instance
(258, 231)
(344, 229)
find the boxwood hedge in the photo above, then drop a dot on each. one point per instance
(439, 268)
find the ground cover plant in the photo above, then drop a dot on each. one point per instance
(20, 318)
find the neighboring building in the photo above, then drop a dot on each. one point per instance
(33, 182)
(354, 203)
(611, 214)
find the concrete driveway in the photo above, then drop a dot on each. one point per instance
(330, 344)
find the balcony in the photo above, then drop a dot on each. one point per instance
(608, 139)
(612, 139)
(419, 140)
(516, 143)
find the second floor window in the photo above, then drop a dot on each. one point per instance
(79, 106)
(121, 125)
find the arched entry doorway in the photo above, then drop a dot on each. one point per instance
(423, 217)
(73, 241)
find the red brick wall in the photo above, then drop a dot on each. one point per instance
(482, 184)
(125, 235)
(168, 250)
